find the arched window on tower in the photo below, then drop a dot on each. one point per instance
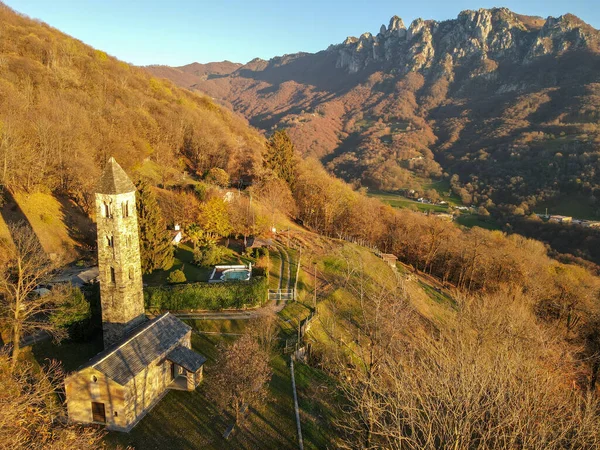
(110, 241)
(131, 273)
(125, 208)
(106, 209)
(113, 277)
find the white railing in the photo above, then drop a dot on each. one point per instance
(282, 294)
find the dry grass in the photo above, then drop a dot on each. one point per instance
(47, 217)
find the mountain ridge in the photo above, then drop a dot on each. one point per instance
(455, 97)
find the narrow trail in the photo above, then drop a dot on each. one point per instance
(281, 266)
(283, 251)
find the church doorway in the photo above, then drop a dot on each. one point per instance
(98, 412)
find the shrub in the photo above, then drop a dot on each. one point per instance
(209, 255)
(217, 177)
(214, 296)
(177, 276)
(201, 191)
(259, 251)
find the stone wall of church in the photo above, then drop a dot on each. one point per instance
(142, 392)
(89, 385)
(119, 263)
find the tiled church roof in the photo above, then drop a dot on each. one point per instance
(186, 358)
(151, 341)
(114, 180)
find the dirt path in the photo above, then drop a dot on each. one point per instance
(281, 252)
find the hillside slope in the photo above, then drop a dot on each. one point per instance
(507, 103)
(66, 107)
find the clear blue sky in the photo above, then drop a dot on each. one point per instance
(177, 32)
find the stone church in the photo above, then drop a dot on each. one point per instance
(142, 358)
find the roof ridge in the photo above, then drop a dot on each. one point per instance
(130, 338)
(114, 180)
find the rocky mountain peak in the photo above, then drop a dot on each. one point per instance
(396, 24)
(484, 34)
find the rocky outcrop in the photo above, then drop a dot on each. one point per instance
(486, 34)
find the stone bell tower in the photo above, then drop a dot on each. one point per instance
(121, 292)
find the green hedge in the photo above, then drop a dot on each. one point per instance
(215, 296)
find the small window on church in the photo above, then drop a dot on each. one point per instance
(125, 208)
(131, 273)
(112, 275)
(116, 414)
(110, 241)
(106, 210)
(94, 378)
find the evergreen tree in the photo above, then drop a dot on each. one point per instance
(214, 218)
(155, 241)
(279, 157)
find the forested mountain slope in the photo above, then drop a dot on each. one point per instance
(66, 107)
(506, 104)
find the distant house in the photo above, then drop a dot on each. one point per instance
(560, 219)
(444, 216)
(591, 224)
(176, 234)
(390, 259)
(228, 196)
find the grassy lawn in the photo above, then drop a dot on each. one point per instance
(284, 277)
(184, 257)
(473, 220)
(274, 266)
(294, 255)
(71, 354)
(218, 326)
(318, 408)
(576, 206)
(189, 420)
(443, 188)
(290, 316)
(399, 201)
(437, 296)
(48, 218)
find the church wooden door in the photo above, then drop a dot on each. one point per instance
(98, 412)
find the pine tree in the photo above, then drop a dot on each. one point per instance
(279, 157)
(155, 241)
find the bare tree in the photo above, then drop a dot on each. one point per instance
(25, 266)
(265, 329)
(240, 375)
(31, 416)
(492, 380)
(276, 196)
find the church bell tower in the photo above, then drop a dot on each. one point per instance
(121, 291)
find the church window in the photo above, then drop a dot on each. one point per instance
(125, 208)
(110, 241)
(131, 273)
(94, 378)
(106, 210)
(112, 275)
